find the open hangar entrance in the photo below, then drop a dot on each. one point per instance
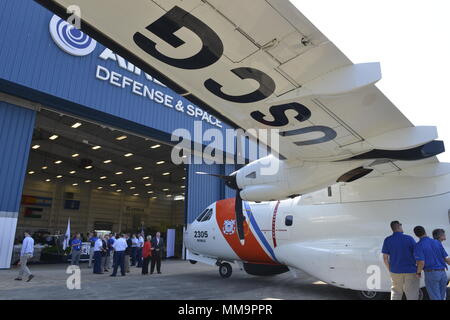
(45, 77)
(101, 178)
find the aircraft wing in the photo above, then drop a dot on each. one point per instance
(261, 64)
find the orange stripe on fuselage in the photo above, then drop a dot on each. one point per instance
(251, 251)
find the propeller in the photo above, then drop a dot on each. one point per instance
(231, 182)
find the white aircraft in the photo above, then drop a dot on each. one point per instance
(357, 161)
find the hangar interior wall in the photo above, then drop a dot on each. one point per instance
(16, 130)
(98, 210)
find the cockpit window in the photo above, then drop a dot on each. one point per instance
(207, 216)
(202, 214)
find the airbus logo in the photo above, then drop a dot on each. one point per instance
(70, 39)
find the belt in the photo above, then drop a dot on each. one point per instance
(434, 270)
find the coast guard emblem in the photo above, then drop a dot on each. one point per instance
(229, 227)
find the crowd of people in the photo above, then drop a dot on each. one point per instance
(106, 252)
(123, 250)
(406, 260)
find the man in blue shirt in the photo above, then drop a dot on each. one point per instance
(92, 239)
(398, 256)
(76, 250)
(26, 253)
(431, 257)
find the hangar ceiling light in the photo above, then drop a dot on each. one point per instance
(107, 161)
(96, 147)
(48, 180)
(155, 146)
(44, 168)
(35, 147)
(121, 138)
(54, 137)
(88, 167)
(75, 155)
(160, 162)
(72, 172)
(128, 155)
(119, 173)
(129, 181)
(31, 172)
(103, 177)
(58, 162)
(148, 184)
(138, 168)
(145, 178)
(166, 173)
(76, 125)
(75, 184)
(59, 177)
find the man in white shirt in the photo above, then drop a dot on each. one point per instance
(139, 250)
(134, 249)
(25, 254)
(98, 249)
(119, 247)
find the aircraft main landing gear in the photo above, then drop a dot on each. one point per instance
(225, 270)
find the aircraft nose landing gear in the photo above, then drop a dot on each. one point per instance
(225, 270)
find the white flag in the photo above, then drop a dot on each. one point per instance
(67, 236)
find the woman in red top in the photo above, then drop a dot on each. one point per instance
(146, 254)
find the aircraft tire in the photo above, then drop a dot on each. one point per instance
(225, 270)
(192, 261)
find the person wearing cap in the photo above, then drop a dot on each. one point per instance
(398, 256)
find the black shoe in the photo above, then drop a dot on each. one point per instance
(30, 277)
(113, 275)
(159, 272)
(18, 279)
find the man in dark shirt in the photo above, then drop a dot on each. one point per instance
(157, 251)
(431, 257)
(128, 252)
(398, 256)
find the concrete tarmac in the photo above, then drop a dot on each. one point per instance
(179, 280)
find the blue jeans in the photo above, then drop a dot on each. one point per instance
(436, 283)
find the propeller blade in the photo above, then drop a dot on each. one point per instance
(239, 217)
(230, 180)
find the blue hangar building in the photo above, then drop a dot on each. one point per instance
(86, 135)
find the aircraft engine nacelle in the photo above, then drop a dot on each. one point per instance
(269, 179)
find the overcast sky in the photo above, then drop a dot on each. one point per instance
(411, 40)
